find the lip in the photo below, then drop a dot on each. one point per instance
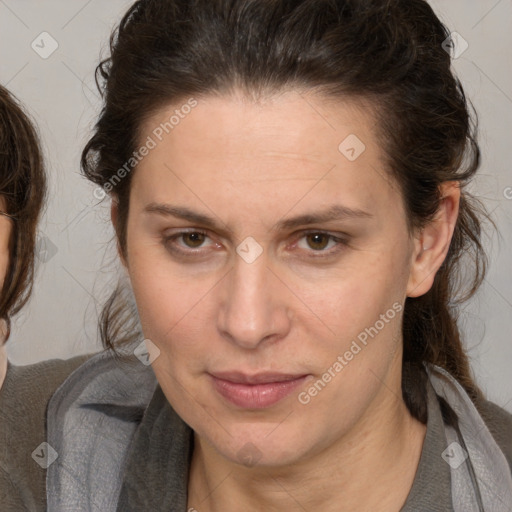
(255, 391)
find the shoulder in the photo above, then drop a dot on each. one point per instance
(499, 423)
(27, 389)
(24, 398)
(92, 419)
(27, 386)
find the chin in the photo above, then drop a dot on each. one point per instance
(261, 445)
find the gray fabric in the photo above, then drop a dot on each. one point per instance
(485, 470)
(91, 420)
(23, 401)
(499, 423)
(431, 489)
(156, 475)
(123, 448)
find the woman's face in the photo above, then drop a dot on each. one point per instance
(5, 237)
(270, 260)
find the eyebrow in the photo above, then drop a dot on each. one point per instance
(332, 213)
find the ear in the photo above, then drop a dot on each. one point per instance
(431, 244)
(114, 214)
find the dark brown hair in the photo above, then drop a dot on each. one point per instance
(387, 52)
(23, 186)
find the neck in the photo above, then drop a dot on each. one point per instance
(368, 469)
(3, 364)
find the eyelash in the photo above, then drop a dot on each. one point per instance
(341, 243)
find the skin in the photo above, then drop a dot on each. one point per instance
(5, 236)
(249, 165)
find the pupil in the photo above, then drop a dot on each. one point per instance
(317, 239)
(195, 238)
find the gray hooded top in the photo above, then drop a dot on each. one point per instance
(121, 446)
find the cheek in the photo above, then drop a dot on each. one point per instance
(161, 302)
(355, 296)
(172, 307)
(5, 234)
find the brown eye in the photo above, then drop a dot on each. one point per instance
(189, 243)
(193, 239)
(319, 244)
(318, 241)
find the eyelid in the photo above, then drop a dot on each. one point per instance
(179, 234)
(340, 238)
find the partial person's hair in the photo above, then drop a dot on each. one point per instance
(23, 187)
(388, 53)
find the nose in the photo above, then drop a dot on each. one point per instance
(253, 307)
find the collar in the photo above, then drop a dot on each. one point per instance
(431, 489)
(92, 419)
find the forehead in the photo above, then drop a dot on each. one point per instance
(279, 149)
(291, 124)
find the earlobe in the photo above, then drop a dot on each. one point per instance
(433, 242)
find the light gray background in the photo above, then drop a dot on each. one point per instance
(59, 92)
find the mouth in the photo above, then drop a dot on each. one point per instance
(255, 391)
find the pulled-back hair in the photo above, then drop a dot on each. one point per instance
(389, 53)
(23, 187)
